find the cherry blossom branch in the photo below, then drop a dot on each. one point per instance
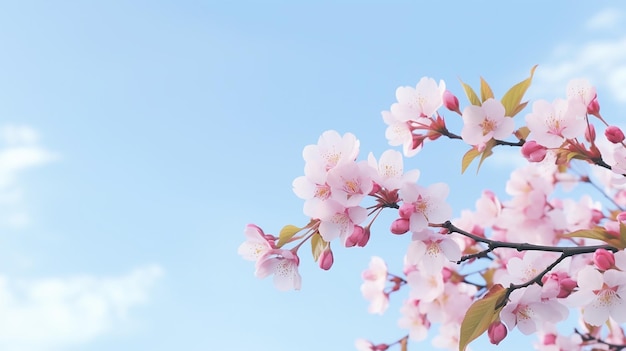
(587, 337)
(586, 179)
(494, 244)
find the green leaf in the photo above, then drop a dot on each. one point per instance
(286, 234)
(485, 90)
(522, 133)
(469, 156)
(317, 245)
(481, 314)
(486, 152)
(512, 98)
(599, 233)
(471, 94)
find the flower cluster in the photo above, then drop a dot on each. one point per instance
(524, 261)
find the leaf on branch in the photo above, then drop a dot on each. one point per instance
(485, 90)
(469, 156)
(286, 234)
(512, 98)
(519, 108)
(317, 245)
(471, 94)
(481, 314)
(486, 152)
(599, 233)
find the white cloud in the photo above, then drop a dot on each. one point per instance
(602, 61)
(53, 313)
(605, 19)
(21, 152)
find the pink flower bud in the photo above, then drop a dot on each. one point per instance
(614, 134)
(376, 188)
(621, 217)
(567, 286)
(590, 133)
(365, 237)
(596, 216)
(400, 226)
(496, 332)
(381, 347)
(594, 107)
(406, 210)
(603, 259)
(549, 339)
(326, 259)
(534, 152)
(451, 102)
(355, 237)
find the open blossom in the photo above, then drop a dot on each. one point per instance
(551, 123)
(373, 287)
(390, 170)
(414, 320)
(283, 264)
(423, 205)
(350, 182)
(331, 149)
(527, 310)
(338, 221)
(601, 295)
(421, 101)
(581, 90)
(256, 244)
(399, 132)
(432, 250)
(482, 123)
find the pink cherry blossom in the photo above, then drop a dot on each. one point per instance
(390, 170)
(482, 123)
(581, 90)
(399, 132)
(425, 285)
(350, 182)
(331, 149)
(421, 101)
(338, 221)
(551, 123)
(600, 295)
(432, 250)
(414, 320)
(256, 244)
(283, 264)
(428, 204)
(527, 310)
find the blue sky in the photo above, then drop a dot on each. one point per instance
(139, 138)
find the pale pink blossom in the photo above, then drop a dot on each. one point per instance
(390, 170)
(376, 272)
(448, 337)
(425, 285)
(350, 182)
(331, 149)
(600, 295)
(421, 101)
(414, 320)
(399, 132)
(363, 345)
(482, 123)
(427, 205)
(551, 123)
(256, 244)
(527, 310)
(338, 221)
(432, 250)
(283, 264)
(581, 90)
(373, 287)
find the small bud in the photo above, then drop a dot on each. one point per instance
(621, 217)
(365, 237)
(614, 134)
(567, 285)
(590, 133)
(594, 107)
(534, 152)
(451, 102)
(496, 332)
(549, 339)
(381, 347)
(376, 188)
(406, 210)
(603, 259)
(400, 226)
(355, 237)
(326, 259)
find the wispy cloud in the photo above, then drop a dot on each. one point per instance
(20, 151)
(601, 60)
(605, 19)
(53, 313)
